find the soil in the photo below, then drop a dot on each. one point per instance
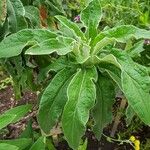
(7, 101)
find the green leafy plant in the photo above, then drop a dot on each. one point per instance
(95, 63)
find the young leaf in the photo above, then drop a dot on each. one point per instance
(4, 146)
(6, 119)
(62, 47)
(13, 44)
(39, 144)
(71, 26)
(110, 64)
(81, 98)
(53, 100)
(18, 111)
(21, 143)
(91, 17)
(102, 112)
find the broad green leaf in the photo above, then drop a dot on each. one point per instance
(3, 11)
(16, 14)
(33, 14)
(91, 17)
(13, 44)
(84, 146)
(6, 119)
(71, 26)
(39, 144)
(61, 46)
(136, 85)
(53, 100)
(102, 111)
(122, 34)
(138, 96)
(21, 143)
(4, 146)
(81, 98)
(19, 111)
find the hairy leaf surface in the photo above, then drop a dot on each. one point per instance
(136, 85)
(71, 26)
(61, 46)
(91, 17)
(122, 34)
(13, 45)
(16, 14)
(81, 98)
(53, 100)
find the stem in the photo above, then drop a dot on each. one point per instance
(117, 140)
(117, 118)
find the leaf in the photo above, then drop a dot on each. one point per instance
(4, 146)
(55, 66)
(61, 46)
(136, 49)
(102, 111)
(111, 59)
(19, 111)
(21, 143)
(122, 34)
(138, 97)
(6, 119)
(13, 44)
(71, 26)
(81, 98)
(53, 100)
(84, 146)
(82, 52)
(33, 14)
(110, 64)
(16, 14)
(39, 144)
(136, 85)
(91, 17)
(56, 6)
(3, 11)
